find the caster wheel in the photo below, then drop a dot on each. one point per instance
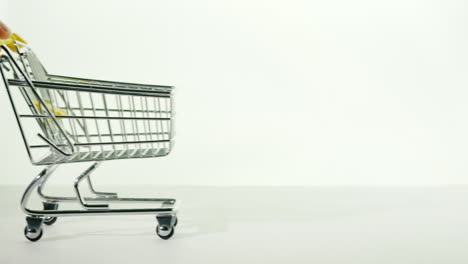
(32, 234)
(165, 232)
(50, 220)
(175, 223)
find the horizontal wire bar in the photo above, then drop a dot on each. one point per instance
(127, 134)
(121, 110)
(55, 160)
(90, 88)
(61, 213)
(97, 117)
(53, 76)
(105, 143)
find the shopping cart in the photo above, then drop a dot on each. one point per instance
(68, 120)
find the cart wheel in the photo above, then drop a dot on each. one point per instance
(175, 222)
(165, 232)
(33, 234)
(50, 220)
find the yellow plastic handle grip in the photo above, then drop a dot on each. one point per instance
(11, 41)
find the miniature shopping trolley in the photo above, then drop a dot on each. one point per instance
(68, 120)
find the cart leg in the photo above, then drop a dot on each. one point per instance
(42, 177)
(91, 188)
(84, 175)
(165, 215)
(33, 230)
(101, 194)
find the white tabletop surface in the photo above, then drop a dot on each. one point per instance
(257, 225)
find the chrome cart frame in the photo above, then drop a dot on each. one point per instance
(85, 120)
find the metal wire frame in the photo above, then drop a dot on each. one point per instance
(89, 120)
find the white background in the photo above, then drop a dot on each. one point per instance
(310, 94)
(269, 92)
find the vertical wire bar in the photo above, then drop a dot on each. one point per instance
(156, 134)
(85, 124)
(72, 123)
(98, 130)
(106, 110)
(164, 123)
(122, 122)
(149, 123)
(55, 102)
(52, 103)
(52, 128)
(137, 132)
(70, 109)
(133, 124)
(144, 126)
(133, 128)
(34, 109)
(158, 123)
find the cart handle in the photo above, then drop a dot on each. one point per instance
(41, 101)
(10, 42)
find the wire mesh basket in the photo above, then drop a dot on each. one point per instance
(86, 120)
